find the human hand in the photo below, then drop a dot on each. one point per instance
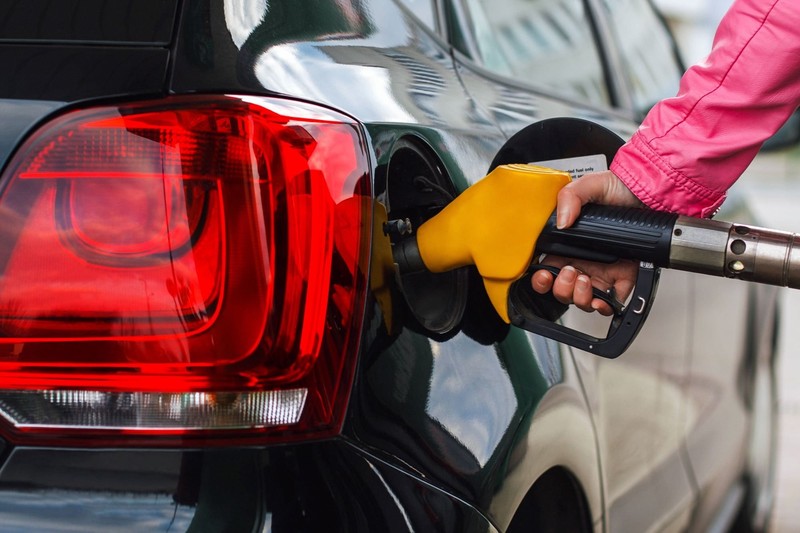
(603, 188)
(574, 283)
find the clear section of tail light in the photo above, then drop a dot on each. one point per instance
(183, 268)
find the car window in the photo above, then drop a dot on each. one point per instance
(425, 10)
(648, 53)
(549, 43)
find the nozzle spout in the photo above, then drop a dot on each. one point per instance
(406, 255)
(764, 256)
(736, 251)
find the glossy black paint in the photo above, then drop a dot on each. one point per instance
(55, 53)
(407, 73)
(71, 73)
(413, 404)
(329, 486)
(88, 21)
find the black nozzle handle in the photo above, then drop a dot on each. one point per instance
(622, 330)
(607, 233)
(604, 234)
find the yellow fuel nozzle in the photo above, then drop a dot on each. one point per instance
(493, 225)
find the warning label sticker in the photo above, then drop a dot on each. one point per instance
(577, 166)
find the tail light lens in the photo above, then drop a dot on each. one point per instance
(187, 268)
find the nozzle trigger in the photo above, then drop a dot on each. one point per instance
(625, 324)
(609, 295)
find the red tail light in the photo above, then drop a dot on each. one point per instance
(186, 268)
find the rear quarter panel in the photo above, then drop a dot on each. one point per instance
(459, 411)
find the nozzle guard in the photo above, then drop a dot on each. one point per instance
(624, 326)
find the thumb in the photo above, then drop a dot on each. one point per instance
(599, 188)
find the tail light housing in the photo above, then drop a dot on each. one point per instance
(189, 269)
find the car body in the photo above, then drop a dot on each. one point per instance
(434, 415)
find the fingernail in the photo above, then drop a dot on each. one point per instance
(569, 273)
(584, 282)
(562, 215)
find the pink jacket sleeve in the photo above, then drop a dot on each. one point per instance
(691, 148)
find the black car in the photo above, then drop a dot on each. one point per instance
(201, 325)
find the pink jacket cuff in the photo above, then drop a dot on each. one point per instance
(658, 185)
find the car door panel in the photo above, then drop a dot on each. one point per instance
(639, 406)
(646, 478)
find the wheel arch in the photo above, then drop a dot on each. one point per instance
(555, 503)
(555, 464)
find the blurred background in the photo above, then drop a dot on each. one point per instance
(772, 188)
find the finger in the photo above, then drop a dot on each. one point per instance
(564, 284)
(542, 281)
(576, 194)
(582, 296)
(624, 287)
(602, 307)
(597, 187)
(568, 207)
